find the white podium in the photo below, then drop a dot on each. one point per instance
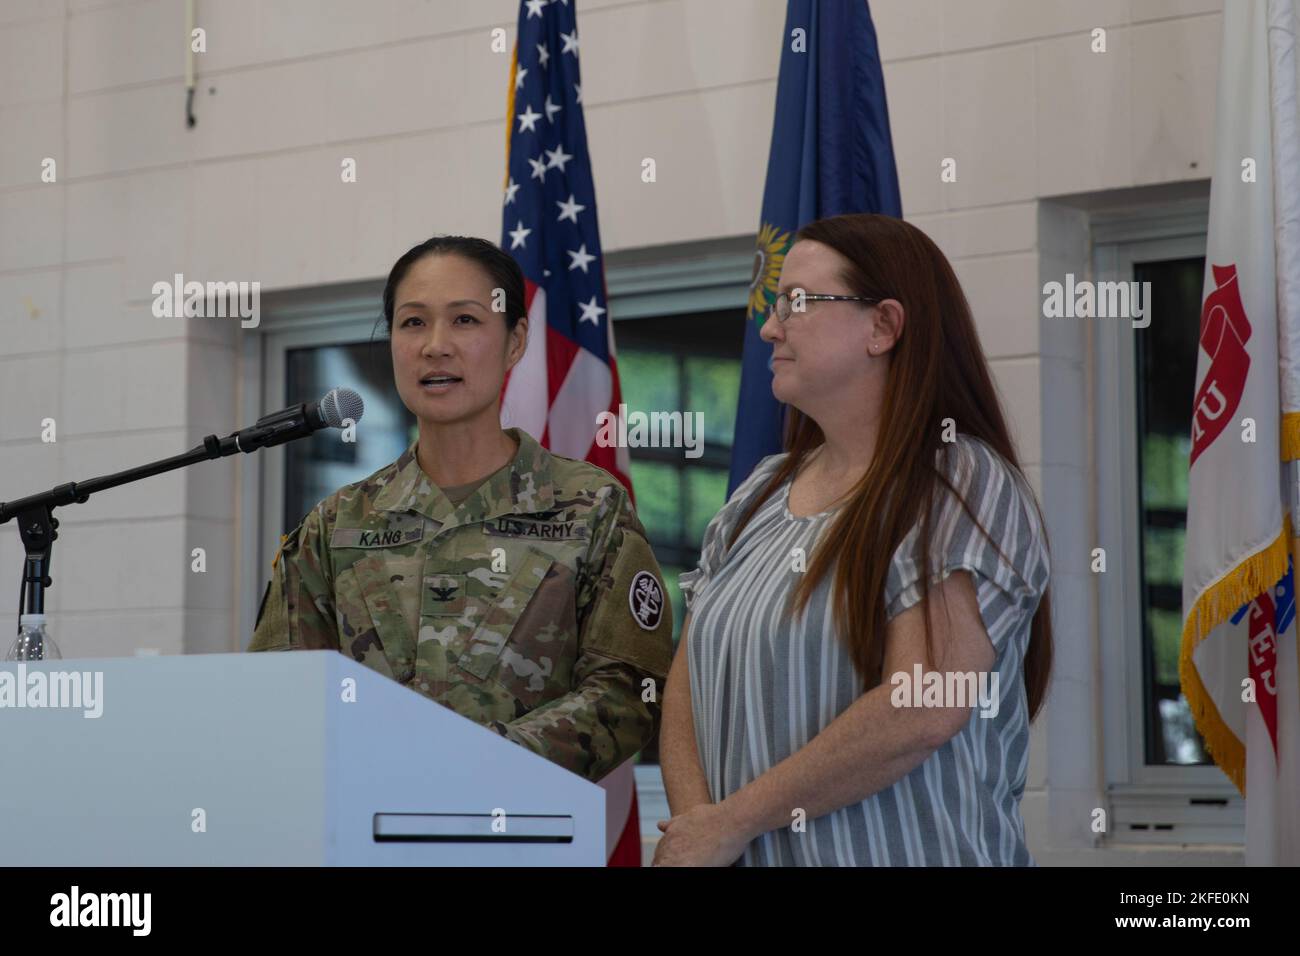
(284, 769)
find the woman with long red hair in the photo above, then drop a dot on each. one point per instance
(869, 632)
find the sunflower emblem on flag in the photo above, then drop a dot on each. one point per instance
(769, 256)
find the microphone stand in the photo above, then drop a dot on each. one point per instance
(39, 528)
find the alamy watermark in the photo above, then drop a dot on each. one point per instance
(653, 430)
(75, 908)
(946, 689)
(1098, 300)
(72, 690)
(180, 299)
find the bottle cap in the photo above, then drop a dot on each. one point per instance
(30, 619)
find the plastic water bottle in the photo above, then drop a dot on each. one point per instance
(32, 643)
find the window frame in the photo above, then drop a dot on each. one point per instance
(324, 315)
(716, 460)
(1188, 804)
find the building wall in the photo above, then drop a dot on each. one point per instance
(412, 90)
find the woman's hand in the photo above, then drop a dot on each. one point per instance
(705, 835)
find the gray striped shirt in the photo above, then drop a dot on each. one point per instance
(763, 685)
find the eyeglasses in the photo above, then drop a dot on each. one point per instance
(782, 309)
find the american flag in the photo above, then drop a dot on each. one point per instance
(568, 374)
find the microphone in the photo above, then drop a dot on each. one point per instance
(337, 409)
(338, 405)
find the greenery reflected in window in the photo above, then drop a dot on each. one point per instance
(1166, 381)
(708, 492)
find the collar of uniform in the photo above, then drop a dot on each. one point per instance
(521, 487)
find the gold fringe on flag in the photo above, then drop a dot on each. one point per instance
(1257, 574)
(1291, 436)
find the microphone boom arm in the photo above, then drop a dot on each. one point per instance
(35, 513)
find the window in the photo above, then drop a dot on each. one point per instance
(1161, 786)
(313, 340)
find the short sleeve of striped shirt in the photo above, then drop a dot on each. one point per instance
(1010, 564)
(713, 549)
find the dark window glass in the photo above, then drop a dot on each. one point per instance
(316, 467)
(1166, 381)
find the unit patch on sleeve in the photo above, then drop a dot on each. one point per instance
(646, 598)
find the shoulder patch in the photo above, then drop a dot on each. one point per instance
(645, 596)
(631, 617)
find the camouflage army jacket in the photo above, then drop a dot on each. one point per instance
(535, 607)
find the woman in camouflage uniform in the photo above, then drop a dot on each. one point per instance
(511, 585)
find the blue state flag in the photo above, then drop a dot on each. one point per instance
(831, 153)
